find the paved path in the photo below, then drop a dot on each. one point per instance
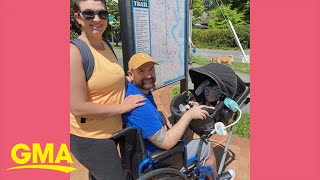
(205, 53)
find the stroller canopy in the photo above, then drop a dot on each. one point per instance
(220, 74)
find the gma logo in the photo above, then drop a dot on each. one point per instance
(35, 158)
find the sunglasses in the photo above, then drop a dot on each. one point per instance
(89, 14)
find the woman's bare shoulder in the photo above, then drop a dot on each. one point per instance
(75, 54)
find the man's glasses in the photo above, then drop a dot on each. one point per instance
(89, 14)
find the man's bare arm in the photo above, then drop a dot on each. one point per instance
(158, 137)
(166, 139)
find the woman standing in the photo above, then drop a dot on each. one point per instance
(100, 99)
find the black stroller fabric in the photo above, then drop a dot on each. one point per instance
(218, 74)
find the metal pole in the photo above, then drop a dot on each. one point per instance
(184, 82)
(237, 40)
(126, 28)
(225, 152)
(190, 36)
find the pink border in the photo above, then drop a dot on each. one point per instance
(285, 82)
(34, 76)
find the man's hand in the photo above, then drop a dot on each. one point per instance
(197, 113)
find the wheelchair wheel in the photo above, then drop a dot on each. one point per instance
(163, 174)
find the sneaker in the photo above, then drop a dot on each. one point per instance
(228, 175)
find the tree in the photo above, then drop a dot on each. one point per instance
(242, 6)
(219, 22)
(209, 4)
(74, 28)
(246, 12)
(114, 29)
(198, 8)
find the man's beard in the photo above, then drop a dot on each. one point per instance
(143, 85)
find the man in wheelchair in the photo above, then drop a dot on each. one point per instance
(156, 131)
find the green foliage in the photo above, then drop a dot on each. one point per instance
(174, 92)
(74, 28)
(198, 8)
(113, 8)
(219, 14)
(242, 128)
(242, 67)
(246, 12)
(221, 38)
(243, 33)
(200, 61)
(114, 29)
(209, 4)
(242, 6)
(73, 34)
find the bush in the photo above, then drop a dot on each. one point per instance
(73, 34)
(221, 38)
(220, 22)
(74, 28)
(174, 92)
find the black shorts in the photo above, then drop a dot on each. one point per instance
(99, 156)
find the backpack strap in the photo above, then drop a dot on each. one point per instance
(87, 57)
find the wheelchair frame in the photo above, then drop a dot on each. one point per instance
(150, 163)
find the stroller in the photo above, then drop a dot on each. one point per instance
(232, 89)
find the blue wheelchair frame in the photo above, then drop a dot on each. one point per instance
(204, 171)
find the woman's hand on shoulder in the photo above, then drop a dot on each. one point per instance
(133, 101)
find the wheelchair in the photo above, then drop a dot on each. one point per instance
(161, 164)
(173, 163)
